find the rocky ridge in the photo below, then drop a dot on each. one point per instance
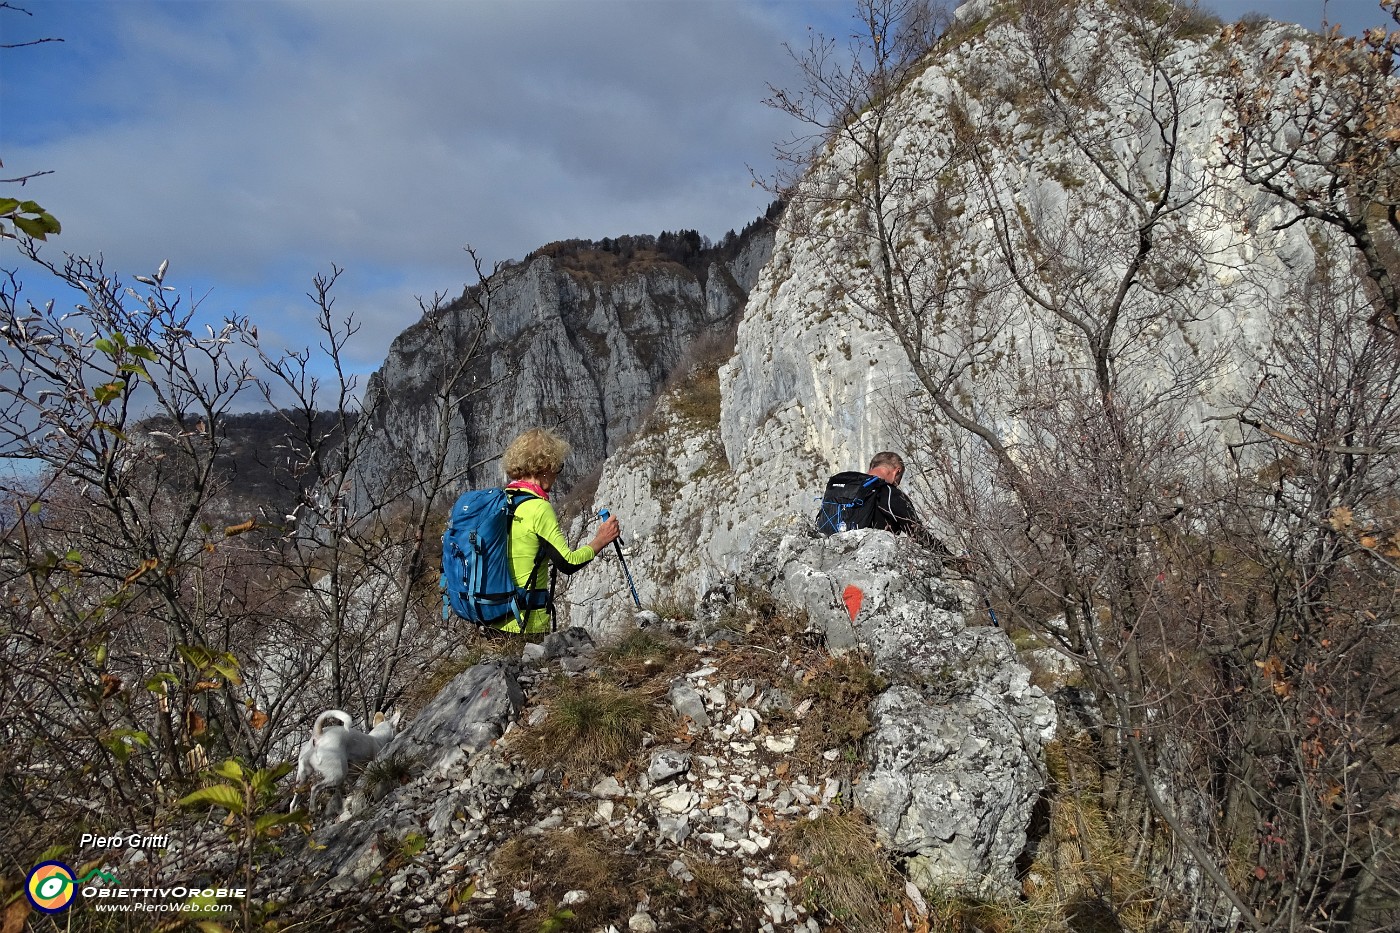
(761, 734)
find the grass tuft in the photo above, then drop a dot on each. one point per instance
(847, 876)
(590, 726)
(641, 657)
(390, 771)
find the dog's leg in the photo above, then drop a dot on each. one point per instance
(303, 765)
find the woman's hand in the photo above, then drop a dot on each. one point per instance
(607, 534)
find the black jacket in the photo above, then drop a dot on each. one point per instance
(894, 512)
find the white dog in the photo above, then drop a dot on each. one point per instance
(333, 749)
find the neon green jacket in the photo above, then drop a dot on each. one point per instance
(535, 527)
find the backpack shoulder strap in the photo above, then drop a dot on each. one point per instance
(515, 498)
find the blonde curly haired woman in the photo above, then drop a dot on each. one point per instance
(532, 463)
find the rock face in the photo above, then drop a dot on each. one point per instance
(582, 335)
(817, 383)
(954, 756)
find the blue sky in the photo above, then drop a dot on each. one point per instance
(253, 143)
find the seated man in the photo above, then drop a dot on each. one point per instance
(870, 500)
(893, 510)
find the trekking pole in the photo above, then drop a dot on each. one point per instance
(617, 543)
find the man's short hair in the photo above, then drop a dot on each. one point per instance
(886, 458)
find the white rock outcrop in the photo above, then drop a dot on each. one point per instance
(816, 384)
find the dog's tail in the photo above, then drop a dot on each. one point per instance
(344, 717)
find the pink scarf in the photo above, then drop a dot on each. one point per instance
(529, 487)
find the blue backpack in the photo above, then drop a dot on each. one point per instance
(477, 583)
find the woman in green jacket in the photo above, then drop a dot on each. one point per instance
(532, 463)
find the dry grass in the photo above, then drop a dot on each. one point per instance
(384, 774)
(697, 398)
(841, 691)
(643, 657)
(1083, 873)
(479, 649)
(846, 875)
(717, 899)
(591, 727)
(552, 864)
(967, 915)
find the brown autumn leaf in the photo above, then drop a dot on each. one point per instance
(194, 723)
(238, 529)
(258, 718)
(146, 566)
(15, 914)
(1340, 518)
(111, 685)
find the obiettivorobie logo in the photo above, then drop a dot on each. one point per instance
(52, 885)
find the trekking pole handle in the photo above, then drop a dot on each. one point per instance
(604, 515)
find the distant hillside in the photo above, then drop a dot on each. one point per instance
(261, 464)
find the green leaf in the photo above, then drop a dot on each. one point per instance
(8, 206)
(51, 853)
(266, 779)
(217, 795)
(122, 741)
(196, 656)
(164, 677)
(31, 225)
(145, 353)
(228, 670)
(107, 392)
(229, 769)
(103, 345)
(268, 820)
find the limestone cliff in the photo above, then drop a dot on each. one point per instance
(818, 382)
(579, 334)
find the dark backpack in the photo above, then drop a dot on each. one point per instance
(477, 583)
(849, 502)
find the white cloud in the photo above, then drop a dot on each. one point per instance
(254, 143)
